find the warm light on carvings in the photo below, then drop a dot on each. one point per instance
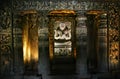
(26, 49)
(30, 52)
(30, 37)
(30, 49)
(114, 53)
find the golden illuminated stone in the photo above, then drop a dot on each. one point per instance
(28, 12)
(30, 36)
(62, 12)
(96, 12)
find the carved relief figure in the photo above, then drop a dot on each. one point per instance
(62, 30)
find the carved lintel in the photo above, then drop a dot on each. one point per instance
(28, 12)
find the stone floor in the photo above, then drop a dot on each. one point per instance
(65, 76)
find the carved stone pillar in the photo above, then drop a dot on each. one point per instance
(30, 41)
(93, 40)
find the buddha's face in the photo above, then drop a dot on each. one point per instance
(62, 26)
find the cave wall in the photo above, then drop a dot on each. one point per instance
(11, 54)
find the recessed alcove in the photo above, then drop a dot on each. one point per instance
(62, 44)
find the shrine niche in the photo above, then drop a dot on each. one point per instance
(62, 46)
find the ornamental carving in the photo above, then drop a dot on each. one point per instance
(5, 38)
(113, 34)
(5, 18)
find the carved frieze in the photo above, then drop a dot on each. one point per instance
(56, 5)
